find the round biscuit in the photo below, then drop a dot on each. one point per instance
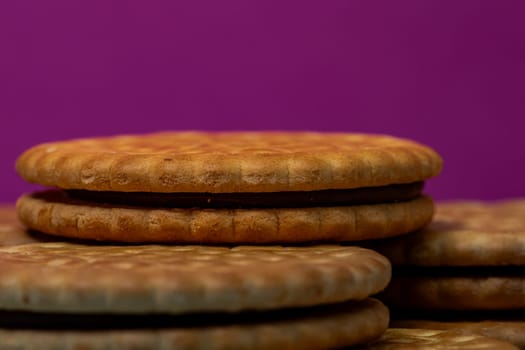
(339, 326)
(464, 233)
(52, 213)
(228, 162)
(69, 277)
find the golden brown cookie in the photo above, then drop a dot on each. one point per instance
(425, 339)
(510, 331)
(68, 277)
(325, 327)
(470, 257)
(148, 295)
(52, 213)
(228, 162)
(229, 187)
(464, 233)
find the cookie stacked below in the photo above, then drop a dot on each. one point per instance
(226, 188)
(237, 187)
(313, 327)
(70, 295)
(426, 339)
(465, 270)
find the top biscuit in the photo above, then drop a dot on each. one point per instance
(228, 162)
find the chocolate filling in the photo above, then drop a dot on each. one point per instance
(458, 271)
(292, 199)
(101, 321)
(455, 315)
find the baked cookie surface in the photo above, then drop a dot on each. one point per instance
(328, 327)
(471, 257)
(229, 187)
(54, 213)
(465, 233)
(63, 294)
(425, 339)
(228, 162)
(177, 279)
(512, 331)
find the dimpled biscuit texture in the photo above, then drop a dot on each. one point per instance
(228, 162)
(48, 213)
(342, 326)
(511, 331)
(67, 277)
(425, 339)
(464, 233)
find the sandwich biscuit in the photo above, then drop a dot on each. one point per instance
(57, 294)
(229, 187)
(463, 271)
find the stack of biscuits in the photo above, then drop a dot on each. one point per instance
(464, 271)
(192, 240)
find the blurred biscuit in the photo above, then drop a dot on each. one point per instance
(425, 339)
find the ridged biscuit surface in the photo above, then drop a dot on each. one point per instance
(228, 162)
(464, 233)
(68, 277)
(425, 339)
(337, 327)
(53, 213)
(510, 331)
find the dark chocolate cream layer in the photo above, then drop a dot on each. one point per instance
(157, 321)
(458, 271)
(295, 199)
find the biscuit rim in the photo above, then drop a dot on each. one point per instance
(506, 330)
(253, 226)
(375, 160)
(182, 279)
(455, 238)
(347, 326)
(428, 339)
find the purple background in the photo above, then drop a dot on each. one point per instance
(450, 74)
